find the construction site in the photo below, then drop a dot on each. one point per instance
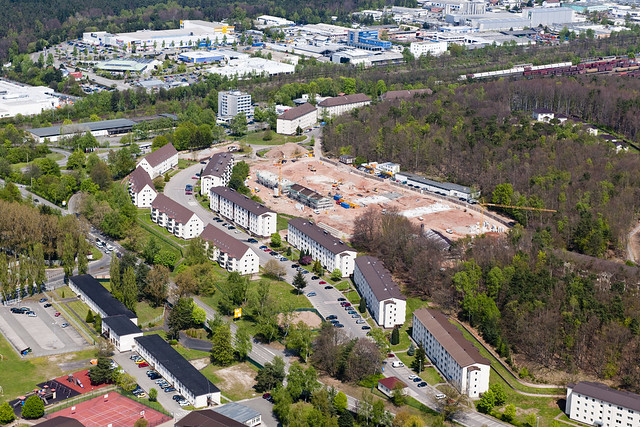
(335, 194)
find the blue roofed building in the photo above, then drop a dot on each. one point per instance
(367, 39)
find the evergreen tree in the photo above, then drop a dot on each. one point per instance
(299, 282)
(395, 336)
(83, 262)
(418, 362)
(33, 408)
(6, 413)
(89, 318)
(102, 372)
(362, 307)
(68, 256)
(129, 295)
(114, 273)
(222, 350)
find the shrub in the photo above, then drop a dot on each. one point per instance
(153, 395)
(33, 408)
(6, 413)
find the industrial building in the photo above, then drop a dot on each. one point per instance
(98, 298)
(206, 418)
(190, 33)
(418, 49)
(454, 356)
(97, 129)
(338, 105)
(303, 117)
(141, 188)
(332, 252)
(255, 218)
(120, 332)
(133, 65)
(252, 66)
(240, 413)
(367, 58)
(25, 100)
(184, 377)
(367, 40)
(177, 219)
(382, 294)
(309, 198)
(599, 405)
(442, 188)
(201, 57)
(217, 172)
(232, 103)
(229, 252)
(268, 21)
(160, 161)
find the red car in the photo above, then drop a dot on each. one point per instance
(57, 314)
(391, 355)
(143, 365)
(322, 282)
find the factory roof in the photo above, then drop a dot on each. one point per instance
(82, 127)
(430, 182)
(177, 365)
(344, 100)
(378, 278)
(320, 236)
(224, 242)
(602, 392)
(297, 112)
(241, 200)
(450, 337)
(172, 209)
(121, 325)
(160, 155)
(101, 296)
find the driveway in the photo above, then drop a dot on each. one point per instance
(43, 334)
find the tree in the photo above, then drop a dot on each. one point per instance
(222, 350)
(509, 413)
(242, 343)
(153, 394)
(68, 255)
(83, 261)
(102, 372)
(126, 382)
(299, 131)
(340, 402)
(395, 336)
(33, 408)
(129, 289)
(317, 268)
(397, 395)
(166, 257)
(198, 315)
(114, 276)
(276, 240)
(89, 318)
(271, 375)
(362, 307)
(77, 160)
(238, 124)
(156, 284)
(336, 274)
(274, 269)
(181, 316)
(196, 252)
(301, 383)
(6, 413)
(299, 282)
(499, 394)
(487, 402)
(97, 323)
(300, 340)
(418, 362)
(186, 284)
(141, 422)
(412, 349)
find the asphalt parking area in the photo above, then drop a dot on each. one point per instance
(44, 333)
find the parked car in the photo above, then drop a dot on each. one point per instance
(284, 259)
(177, 397)
(360, 321)
(263, 247)
(32, 314)
(328, 287)
(331, 317)
(47, 305)
(43, 299)
(339, 325)
(314, 277)
(417, 380)
(422, 384)
(231, 227)
(412, 377)
(252, 240)
(266, 395)
(355, 316)
(440, 396)
(366, 327)
(143, 365)
(169, 389)
(294, 266)
(57, 314)
(64, 325)
(352, 312)
(311, 294)
(342, 299)
(183, 403)
(322, 282)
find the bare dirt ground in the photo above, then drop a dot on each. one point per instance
(237, 376)
(361, 191)
(309, 318)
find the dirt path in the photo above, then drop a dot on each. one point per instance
(633, 245)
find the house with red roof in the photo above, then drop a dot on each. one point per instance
(177, 219)
(388, 385)
(160, 161)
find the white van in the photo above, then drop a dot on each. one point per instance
(397, 364)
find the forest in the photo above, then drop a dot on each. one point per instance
(483, 135)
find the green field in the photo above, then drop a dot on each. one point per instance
(147, 313)
(255, 138)
(412, 305)
(164, 239)
(431, 376)
(64, 292)
(282, 222)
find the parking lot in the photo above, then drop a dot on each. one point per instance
(44, 333)
(140, 374)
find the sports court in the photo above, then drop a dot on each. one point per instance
(79, 381)
(113, 409)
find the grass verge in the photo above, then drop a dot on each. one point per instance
(255, 138)
(166, 240)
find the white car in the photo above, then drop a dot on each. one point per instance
(440, 396)
(412, 377)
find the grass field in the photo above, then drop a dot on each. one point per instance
(97, 253)
(191, 354)
(147, 313)
(255, 138)
(64, 292)
(412, 305)
(282, 222)
(431, 376)
(164, 239)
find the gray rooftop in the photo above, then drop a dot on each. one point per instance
(344, 100)
(322, 237)
(237, 412)
(379, 278)
(217, 165)
(240, 200)
(121, 325)
(224, 242)
(82, 127)
(443, 185)
(449, 337)
(602, 392)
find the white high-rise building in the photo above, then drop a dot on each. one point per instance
(232, 103)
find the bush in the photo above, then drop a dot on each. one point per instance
(153, 395)
(33, 408)
(173, 342)
(89, 318)
(267, 136)
(395, 336)
(6, 413)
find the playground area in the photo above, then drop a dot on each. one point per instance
(111, 409)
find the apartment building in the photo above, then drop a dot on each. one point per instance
(98, 298)
(248, 214)
(232, 103)
(330, 251)
(141, 188)
(230, 253)
(177, 219)
(456, 358)
(382, 294)
(309, 198)
(217, 173)
(599, 405)
(303, 117)
(332, 107)
(160, 161)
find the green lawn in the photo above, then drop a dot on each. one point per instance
(164, 239)
(97, 253)
(191, 354)
(64, 292)
(353, 297)
(412, 305)
(255, 138)
(147, 313)
(343, 286)
(431, 376)
(282, 222)
(184, 163)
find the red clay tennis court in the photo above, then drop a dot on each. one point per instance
(116, 410)
(75, 380)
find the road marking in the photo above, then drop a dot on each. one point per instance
(193, 203)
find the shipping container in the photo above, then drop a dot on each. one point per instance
(345, 205)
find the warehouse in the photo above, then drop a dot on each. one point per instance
(184, 377)
(442, 188)
(248, 214)
(201, 57)
(332, 252)
(97, 129)
(134, 65)
(98, 298)
(384, 300)
(302, 117)
(25, 100)
(230, 253)
(249, 67)
(309, 198)
(120, 332)
(454, 356)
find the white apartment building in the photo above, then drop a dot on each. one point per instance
(217, 173)
(338, 105)
(234, 102)
(98, 298)
(387, 305)
(456, 358)
(598, 405)
(252, 216)
(160, 161)
(120, 332)
(543, 115)
(141, 188)
(230, 253)
(174, 368)
(418, 49)
(177, 219)
(330, 251)
(303, 117)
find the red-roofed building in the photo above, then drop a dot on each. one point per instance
(229, 252)
(387, 385)
(141, 188)
(177, 219)
(160, 161)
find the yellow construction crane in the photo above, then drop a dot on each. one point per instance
(279, 164)
(528, 208)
